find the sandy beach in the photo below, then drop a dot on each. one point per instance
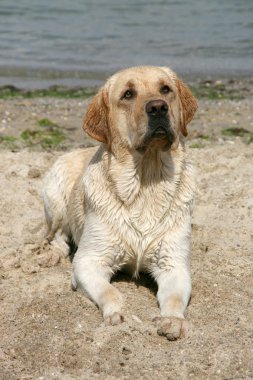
(50, 332)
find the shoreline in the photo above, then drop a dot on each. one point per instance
(34, 78)
(203, 87)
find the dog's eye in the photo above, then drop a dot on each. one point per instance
(165, 89)
(129, 94)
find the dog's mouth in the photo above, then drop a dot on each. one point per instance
(160, 132)
(161, 135)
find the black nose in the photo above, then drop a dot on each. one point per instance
(157, 107)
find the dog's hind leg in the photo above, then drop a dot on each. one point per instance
(57, 231)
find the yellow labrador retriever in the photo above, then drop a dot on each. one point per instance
(127, 204)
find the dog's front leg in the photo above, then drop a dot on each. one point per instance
(174, 288)
(94, 264)
(172, 274)
(94, 278)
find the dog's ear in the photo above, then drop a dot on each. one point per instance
(96, 121)
(188, 105)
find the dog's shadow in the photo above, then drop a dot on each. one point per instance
(143, 279)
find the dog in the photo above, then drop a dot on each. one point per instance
(127, 204)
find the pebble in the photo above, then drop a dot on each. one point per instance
(34, 173)
(136, 319)
(126, 351)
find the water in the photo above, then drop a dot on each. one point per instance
(81, 41)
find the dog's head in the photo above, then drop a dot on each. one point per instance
(141, 107)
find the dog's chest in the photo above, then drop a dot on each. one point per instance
(149, 207)
(138, 225)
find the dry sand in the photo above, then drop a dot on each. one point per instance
(50, 332)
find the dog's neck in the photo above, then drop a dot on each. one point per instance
(129, 171)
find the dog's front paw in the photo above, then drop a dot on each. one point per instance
(172, 328)
(114, 319)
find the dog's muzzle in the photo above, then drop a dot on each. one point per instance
(158, 126)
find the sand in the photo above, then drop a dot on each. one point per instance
(50, 332)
